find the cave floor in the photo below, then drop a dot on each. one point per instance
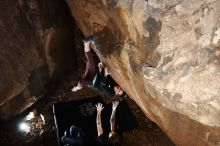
(146, 134)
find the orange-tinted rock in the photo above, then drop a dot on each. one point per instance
(163, 54)
(19, 53)
(31, 55)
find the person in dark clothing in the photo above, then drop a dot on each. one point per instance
(74, 137)
(114, 137)
(103, 82)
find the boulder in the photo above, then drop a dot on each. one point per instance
(37, 48)
(166, 56)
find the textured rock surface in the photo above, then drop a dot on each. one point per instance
(166, 56)
(19, 52)
(36, 47)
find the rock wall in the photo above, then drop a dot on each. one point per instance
(36, 48)
(166, 56)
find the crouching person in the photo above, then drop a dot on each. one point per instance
(74, 137)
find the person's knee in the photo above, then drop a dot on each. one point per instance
(87, 46)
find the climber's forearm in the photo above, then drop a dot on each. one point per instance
(99, 124)
(113, 121)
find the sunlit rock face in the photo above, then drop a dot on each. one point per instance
(36, 47)
(166, 56)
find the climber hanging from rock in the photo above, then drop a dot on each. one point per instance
(96, 74)
(91, 66)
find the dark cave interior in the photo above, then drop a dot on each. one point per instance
(61, 65)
